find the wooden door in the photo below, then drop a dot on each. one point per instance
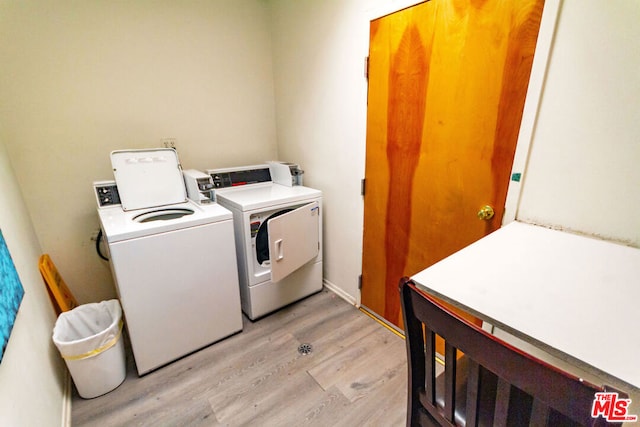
(447, 84)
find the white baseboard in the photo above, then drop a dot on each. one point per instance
(342, 294)
(66, 402)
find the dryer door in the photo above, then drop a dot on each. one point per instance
(294, 240)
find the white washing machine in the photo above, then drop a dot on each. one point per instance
(173, 260)
(278, 231)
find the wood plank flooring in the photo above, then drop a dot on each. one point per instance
(355, 376)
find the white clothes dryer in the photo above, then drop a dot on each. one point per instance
(172, 259)
(278, 231)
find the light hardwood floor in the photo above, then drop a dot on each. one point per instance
(355, 376)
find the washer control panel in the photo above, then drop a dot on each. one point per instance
(106, 193)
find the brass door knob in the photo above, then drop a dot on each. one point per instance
(486, 213)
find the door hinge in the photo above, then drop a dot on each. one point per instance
(362, 186)
(360, 282)
(366, 67)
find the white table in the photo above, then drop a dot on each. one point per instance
(575, 297)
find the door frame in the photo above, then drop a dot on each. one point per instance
(544, 44)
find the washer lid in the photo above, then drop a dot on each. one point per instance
(148, 178)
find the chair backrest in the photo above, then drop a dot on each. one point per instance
(493, 383)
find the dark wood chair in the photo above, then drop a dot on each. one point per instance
(492, 384)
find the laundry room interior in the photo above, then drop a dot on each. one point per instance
(229, 83)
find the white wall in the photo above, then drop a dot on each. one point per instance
(583, 172)
(321, 93)
(32, 374)
(80, 79)
(319, 50)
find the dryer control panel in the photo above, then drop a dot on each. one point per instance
(233, 177)
(106, 193)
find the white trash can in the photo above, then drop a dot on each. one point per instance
(89, 340)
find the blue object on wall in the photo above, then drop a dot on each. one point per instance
(11, 293)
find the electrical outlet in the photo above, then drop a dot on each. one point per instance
(168, 142)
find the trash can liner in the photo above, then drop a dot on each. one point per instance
(91, 353)
(89, 340)
(88, 330)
